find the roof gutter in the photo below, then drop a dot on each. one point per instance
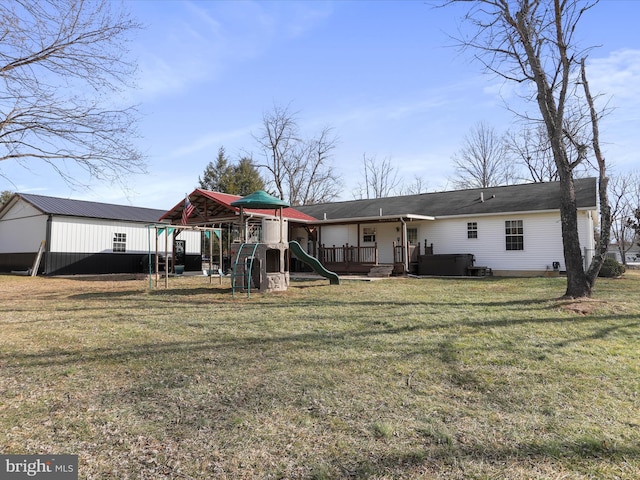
(376, 218)
(510, 213)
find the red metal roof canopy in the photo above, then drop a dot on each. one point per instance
(211, 207)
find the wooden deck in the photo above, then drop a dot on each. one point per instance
(348, 258)
(351, 259)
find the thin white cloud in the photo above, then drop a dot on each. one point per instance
(617, 75)
(304, 16)
(207, 38)
(212, 139)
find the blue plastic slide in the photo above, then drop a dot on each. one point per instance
(314, 263)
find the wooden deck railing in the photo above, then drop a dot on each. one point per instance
(414, 252)
(350, 258)
(349, 254)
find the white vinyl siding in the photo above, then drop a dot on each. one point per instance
(338, 235)
(542, 241)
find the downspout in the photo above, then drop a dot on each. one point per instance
(405, 246)
(47, 246)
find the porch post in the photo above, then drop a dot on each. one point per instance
(156, 262)
(405, 244)
(281, 225)
(166, 258)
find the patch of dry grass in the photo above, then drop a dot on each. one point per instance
(406, 378)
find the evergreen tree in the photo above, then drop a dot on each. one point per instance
(5, 195)
(245, 178)
(221, 176)
(216, 175)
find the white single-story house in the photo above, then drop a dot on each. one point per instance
(506, 230)
(511, 230)
(81, 237)
(632, 254)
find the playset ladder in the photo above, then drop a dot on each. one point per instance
(242, 268)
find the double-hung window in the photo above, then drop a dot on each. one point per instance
(368, 234)
(472, 229)
(514, 235)
(119, 242)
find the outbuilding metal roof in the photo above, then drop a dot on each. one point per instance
(478, 201)
(81, 208)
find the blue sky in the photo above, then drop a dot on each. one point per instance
(382, 74)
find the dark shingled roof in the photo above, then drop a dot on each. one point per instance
(81, 208)
(511, 198)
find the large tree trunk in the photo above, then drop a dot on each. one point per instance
(531, 42)
(577, 282)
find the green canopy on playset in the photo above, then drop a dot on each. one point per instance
(260, 199)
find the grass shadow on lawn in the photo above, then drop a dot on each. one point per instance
(291, 341)
(449, 459)
(180, 292)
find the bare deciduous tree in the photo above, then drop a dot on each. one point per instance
(62, 63)
(482, 161)
(419, 185)
(634, 222)
(624, 192)
(532, 42)
(310, 176)
(530, 148)
(300, 170)
(380, 178)
(277, 140)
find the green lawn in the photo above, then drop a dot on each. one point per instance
(396, 379)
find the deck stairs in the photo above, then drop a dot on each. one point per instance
(241, 275)
(381, 271)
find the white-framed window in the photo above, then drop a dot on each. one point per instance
(368, 234)
(472, 229)
(119, 242)
(514, 232)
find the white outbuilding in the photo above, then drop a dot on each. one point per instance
(81, 237)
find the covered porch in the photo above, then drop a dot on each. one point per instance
(359, 245)
(354, 259)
